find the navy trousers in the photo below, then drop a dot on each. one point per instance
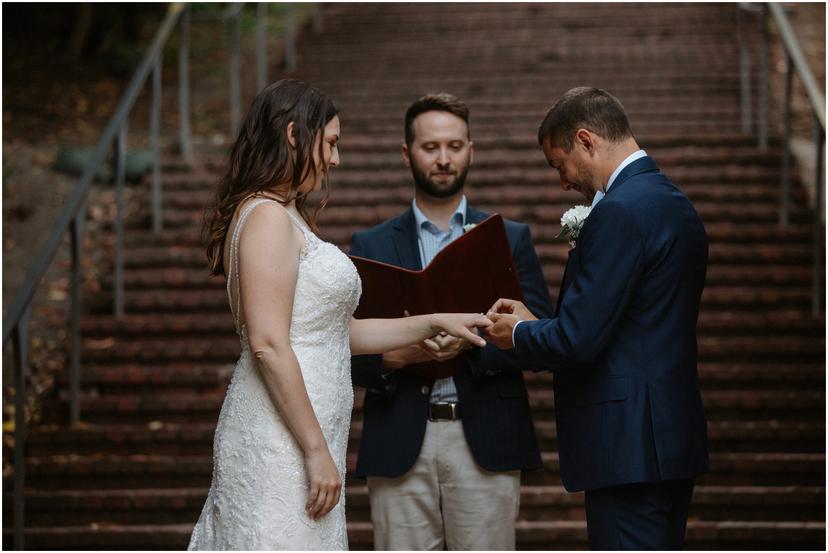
(651, 515)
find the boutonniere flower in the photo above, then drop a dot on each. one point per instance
(468, 227)
(572, 223)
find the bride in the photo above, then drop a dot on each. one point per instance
(280, 443)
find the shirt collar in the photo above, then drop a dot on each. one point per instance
(458, 218)
(638, 154)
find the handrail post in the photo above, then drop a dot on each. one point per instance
(318, 21)
(818, 192)
(290, 38)
(74, 318)
(21, 360)
(261, 45)
(744, 70)
(764, 81)
(184, 84)
(119, 221)
(155, 131)
(784, 204)
(235, 85)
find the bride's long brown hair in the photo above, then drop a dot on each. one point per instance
(261, 161)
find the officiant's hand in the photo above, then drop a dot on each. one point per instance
(409, 355)
(512, 307)
(444, 347)
(500, 333)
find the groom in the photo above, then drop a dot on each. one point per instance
(631, 428)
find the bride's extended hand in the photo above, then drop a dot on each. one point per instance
(461, 325)
(324, 483)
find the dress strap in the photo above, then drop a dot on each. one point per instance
(234, 257)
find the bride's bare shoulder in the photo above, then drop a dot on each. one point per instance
(268, 221)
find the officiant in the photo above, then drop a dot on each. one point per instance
(443, 457)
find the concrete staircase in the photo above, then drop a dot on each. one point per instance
(135, 473)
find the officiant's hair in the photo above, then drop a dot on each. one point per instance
(438, 101)
(261, 158)
(584, 107)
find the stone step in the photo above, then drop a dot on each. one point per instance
(532, 175)
(170, 438)
(178, 199)
(534, 535)
(538, 503)
(534, 214)
(132, 377)
(172, 406)
(774, 299)
(759, 374)
(139, 325)
(104, 471)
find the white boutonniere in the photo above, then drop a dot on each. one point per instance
(572, 223)
(468, 227)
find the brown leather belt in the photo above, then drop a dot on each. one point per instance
(444, 411)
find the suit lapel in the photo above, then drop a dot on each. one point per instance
(475, 216)
(569, 275)
(405, 241)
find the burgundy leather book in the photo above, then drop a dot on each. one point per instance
(467, 276)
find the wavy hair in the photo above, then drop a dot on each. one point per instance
(261, 162)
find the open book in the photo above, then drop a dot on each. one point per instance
(467, 276)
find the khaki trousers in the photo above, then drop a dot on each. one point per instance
(446, 500)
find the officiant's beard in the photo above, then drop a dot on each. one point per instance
(441, 190)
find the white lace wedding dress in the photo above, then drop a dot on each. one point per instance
(259, 489)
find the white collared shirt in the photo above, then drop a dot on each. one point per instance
(431, 240)
(599, 195)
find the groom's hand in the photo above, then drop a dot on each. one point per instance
(512, 307)
(500, 333)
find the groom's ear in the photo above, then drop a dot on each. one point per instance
(585, 140)
(406, 155)
(291, 136)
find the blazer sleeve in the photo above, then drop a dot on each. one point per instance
(611, 262)
(490, 360)
(366, 370)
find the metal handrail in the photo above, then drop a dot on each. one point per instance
(796, 63)
(76, 201)
(792, 48)
(72, 216)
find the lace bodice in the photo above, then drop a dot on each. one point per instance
(259, 489)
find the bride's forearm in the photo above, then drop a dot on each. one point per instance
(381, 335)
(282, 376)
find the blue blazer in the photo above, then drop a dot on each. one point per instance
(623, 342)
(492, 395)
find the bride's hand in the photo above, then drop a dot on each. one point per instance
(461, 325)
(324, 483)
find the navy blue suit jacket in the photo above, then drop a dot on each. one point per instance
(492, 395)
(623, 342)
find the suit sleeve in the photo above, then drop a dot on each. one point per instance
(611, 262)
(366, 370)
(490, 360)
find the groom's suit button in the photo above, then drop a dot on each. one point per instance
(425, 390)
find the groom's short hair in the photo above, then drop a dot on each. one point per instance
(439, 101)
(584, 107)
